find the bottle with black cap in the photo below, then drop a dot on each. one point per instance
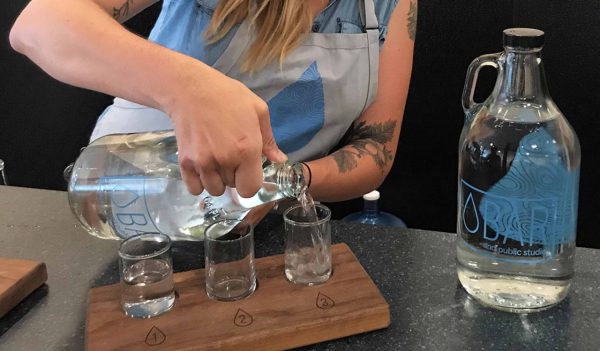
(518, 173)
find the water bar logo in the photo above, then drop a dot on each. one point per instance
(527, 221)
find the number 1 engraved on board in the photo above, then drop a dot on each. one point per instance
(155, 337)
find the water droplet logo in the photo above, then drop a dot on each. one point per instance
(470, 211)
(324, 302)
(122, 196)
(242, 318)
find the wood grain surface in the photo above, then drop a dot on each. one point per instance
(18, 279)
(279, 315)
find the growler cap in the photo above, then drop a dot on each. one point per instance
(526, 38)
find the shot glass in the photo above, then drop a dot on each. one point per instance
(307, 245)
(146, 275)
(229, 260)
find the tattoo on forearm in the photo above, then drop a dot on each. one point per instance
(366, 140)
(412, 20)
(123, 11)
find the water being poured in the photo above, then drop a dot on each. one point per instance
(310, 213)
(308, 206)
(308, 244)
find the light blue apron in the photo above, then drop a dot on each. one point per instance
(321, 88)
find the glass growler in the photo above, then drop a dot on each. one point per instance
(518, 173)
(127, 184)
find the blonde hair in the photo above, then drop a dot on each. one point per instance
(280, 26)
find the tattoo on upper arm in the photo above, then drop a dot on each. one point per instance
(123, 11)
(412, 20)
(366, 140)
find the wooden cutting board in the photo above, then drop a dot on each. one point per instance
(279, 315)
(18, 279)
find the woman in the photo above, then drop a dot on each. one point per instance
(237, 78)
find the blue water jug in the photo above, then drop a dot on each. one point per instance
(371, 214)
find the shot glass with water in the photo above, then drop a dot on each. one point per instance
(146, 275)
(308, 244)
(229, 260)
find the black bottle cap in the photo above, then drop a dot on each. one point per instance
(525, 38)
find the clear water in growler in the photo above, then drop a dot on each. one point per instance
(519, 163)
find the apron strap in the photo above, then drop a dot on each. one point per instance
(369, 19)
(367, 14)
(239, 44)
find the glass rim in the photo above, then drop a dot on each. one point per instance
(166, 248)
(319, 221)
(238, 221)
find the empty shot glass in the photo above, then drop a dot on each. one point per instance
(229, 260)
(146, 275)
(307, 245)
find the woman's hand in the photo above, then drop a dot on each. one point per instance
(222, 131)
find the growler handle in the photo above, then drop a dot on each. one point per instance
(472, 73)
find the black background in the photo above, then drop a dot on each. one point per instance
(43, 123)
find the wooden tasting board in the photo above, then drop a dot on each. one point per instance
(279, 315)
(18, 279)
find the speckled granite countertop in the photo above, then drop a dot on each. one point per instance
(414, 270)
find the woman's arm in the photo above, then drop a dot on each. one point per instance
(364, 161)
(80, 42)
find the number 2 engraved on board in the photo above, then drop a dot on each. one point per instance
(324, 302)
(242, 318)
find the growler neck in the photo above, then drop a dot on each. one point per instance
(521, 93)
